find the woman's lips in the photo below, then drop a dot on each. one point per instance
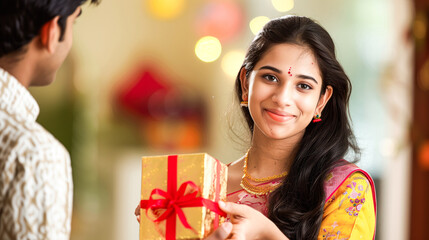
(279, 116)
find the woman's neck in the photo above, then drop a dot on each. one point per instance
(268, 157)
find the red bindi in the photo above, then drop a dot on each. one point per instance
(290, 74)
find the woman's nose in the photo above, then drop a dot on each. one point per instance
(283, 95)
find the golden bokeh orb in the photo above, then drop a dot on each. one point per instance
(257, 23)
(208, 49)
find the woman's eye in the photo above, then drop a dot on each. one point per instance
(304, 86)
(271, 78)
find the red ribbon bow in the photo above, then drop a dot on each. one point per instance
(173, 201)
(174, 205)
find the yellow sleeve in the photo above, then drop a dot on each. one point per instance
(349, 213)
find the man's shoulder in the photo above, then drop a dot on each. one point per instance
(13, 127)
(25, 137)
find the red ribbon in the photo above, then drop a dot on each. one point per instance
(174, 200)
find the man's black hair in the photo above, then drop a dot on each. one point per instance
(22, 20)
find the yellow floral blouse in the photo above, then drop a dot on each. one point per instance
(349, 212)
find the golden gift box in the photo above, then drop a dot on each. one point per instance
(179, 196)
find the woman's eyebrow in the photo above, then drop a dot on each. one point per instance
(306, 77)
(271, 68)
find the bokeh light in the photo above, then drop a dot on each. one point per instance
(257, 23)
(208, 49)
(419, 28)
(165, 9)
(231, 62)
(424, 155)
(283, 5)
(221, 19)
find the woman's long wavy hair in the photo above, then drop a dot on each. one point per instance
(296, 207)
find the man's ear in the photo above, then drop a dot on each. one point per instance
(50, 34)
(244, 84)
(324, 100)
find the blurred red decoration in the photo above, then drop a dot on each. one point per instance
(220, 19)
(168, 116)
(135, 96)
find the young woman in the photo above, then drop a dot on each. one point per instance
(294, 96)
(293, 182)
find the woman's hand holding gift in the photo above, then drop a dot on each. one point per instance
(249, 223)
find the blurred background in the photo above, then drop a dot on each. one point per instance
(148, 77)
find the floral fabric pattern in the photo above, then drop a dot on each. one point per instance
(349, 213)
(257, 202)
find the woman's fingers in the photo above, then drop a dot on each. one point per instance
(233, 208)
(137, 211)
(222, 232)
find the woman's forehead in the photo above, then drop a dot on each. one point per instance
(286, 53)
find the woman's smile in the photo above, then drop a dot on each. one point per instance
(279, 116)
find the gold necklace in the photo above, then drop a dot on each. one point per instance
(259, 179)
(258, 190)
